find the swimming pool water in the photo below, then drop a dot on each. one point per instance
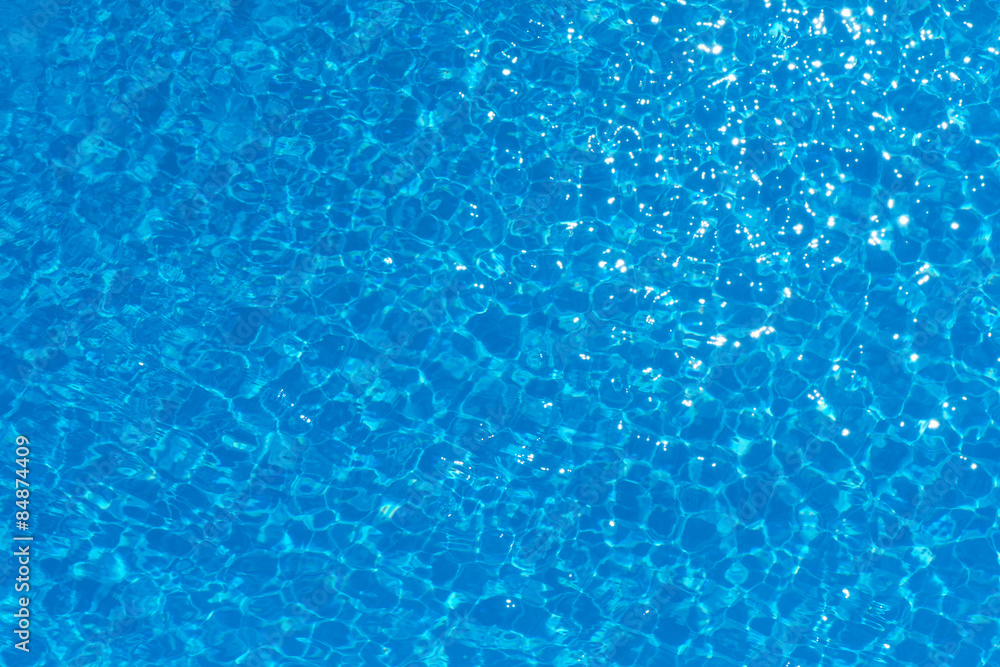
(543, 333)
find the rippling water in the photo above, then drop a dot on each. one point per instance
(402, 333)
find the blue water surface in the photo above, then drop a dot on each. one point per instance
(503, 333)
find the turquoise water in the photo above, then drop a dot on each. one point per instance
(595, 334)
